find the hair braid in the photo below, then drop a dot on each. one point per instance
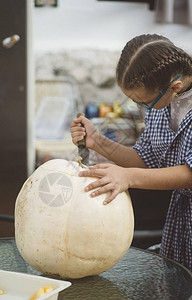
(151, 61)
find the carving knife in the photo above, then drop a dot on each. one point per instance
(83, 152)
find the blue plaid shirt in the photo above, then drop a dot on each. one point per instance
(161, 147)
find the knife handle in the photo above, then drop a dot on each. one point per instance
(81, 142)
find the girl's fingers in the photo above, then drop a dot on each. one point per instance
(77, 129)
(75, 124)
(99, 166)
(111, 197)
(78, 135)
(92, 173)
(102, 190)
(101, 185)
(78, 121)
(77, 139)
(96, 184)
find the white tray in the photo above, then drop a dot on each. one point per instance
(20, 286)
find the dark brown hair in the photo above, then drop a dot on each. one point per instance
(151, 60)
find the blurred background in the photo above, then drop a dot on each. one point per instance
(58, 58)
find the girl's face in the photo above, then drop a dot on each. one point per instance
(146, 97)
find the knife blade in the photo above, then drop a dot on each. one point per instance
(83, 152)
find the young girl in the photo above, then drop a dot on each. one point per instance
(157, 75)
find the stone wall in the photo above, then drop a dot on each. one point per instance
(93, 70)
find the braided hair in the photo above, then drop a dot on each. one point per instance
(151, 60)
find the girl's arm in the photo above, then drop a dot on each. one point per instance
(119, 154)
(115, 179)
(171, 178)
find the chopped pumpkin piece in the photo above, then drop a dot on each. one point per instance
(41, 292)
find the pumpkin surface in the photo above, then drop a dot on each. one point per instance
(61, 230)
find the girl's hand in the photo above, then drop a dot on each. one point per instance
(78, 131)
(112, 179)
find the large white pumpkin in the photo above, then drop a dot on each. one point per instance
(60, 229)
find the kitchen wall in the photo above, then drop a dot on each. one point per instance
(102, 25)
(83, 39)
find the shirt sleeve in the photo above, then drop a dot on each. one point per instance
(188, 158)
(144, 147)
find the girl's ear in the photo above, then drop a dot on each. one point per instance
(177, 86)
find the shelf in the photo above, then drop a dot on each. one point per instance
(150, 2)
